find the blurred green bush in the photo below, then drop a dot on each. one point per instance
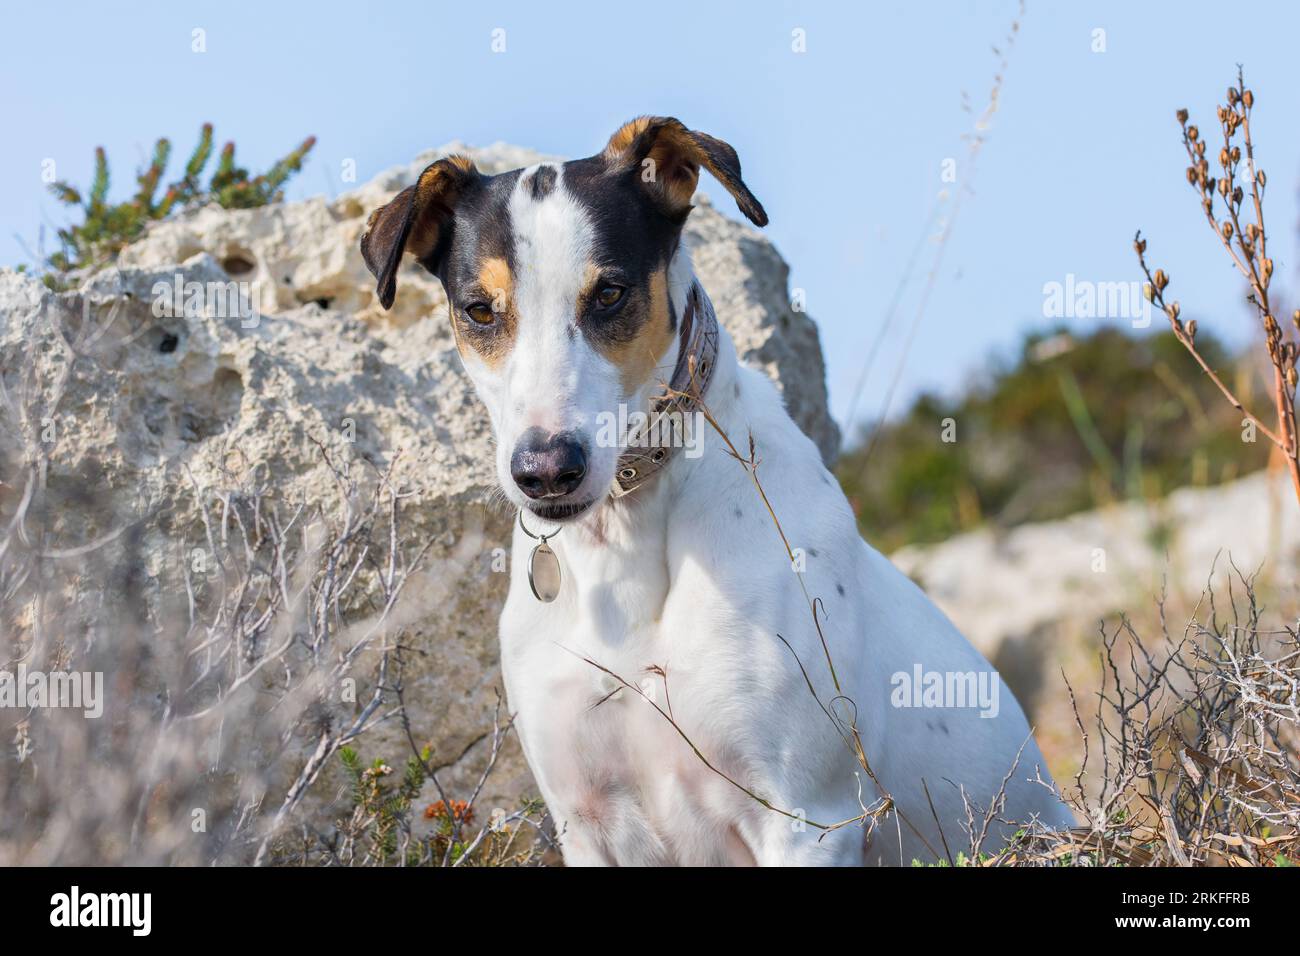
(1069, 423)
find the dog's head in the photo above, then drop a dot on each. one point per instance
(558, 280)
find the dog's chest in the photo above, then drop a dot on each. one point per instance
(600, 691)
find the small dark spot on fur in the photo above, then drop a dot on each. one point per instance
(812, 552)
(542, 182)
(738, 513)
(737, 389)
(839, 588)
(168, 343)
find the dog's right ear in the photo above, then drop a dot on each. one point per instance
(415, 221)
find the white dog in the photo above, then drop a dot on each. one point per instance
(674, 697)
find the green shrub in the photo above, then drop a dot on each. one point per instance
(1070, 423)
(107, 227)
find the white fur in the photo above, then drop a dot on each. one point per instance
(689, 574)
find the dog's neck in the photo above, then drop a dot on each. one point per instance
(642, 514)
(673, 416)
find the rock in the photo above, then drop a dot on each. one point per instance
(1032, 598)
(161, 414)
(1098, 562)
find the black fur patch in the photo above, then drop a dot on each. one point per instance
(481, 230)
(633, 237)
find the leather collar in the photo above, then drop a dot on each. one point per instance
(651, 447)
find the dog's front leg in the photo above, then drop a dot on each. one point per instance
(582, 848)
(783, 841)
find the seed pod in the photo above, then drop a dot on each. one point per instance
(1295, 318)
(1291, 376)
(1191, 330)
(1267, 267)
(1160, 279)
(1236, 154)
(1232, 95)
(1236, 195)
(1182, 117)
(1223, 187)
(1140, 245)
(1223, 157)
(1191, 175)
(1192, 133)
(1148, 292)
(1261, 179)
(1226, 229)
(1248, 99)
(1175, 309)
(1210, 184)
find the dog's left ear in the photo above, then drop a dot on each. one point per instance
(415, 221)
(667, 158)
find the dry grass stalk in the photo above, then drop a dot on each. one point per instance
(1246, 242)
(1199, 745)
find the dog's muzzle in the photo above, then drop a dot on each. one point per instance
(548, 466)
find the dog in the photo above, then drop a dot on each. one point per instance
(692, 644)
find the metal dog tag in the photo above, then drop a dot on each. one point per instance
(544, 573)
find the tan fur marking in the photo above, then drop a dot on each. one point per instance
(463, 163)
(497, 283)
(435, 191)
(638, 359)
(676, 156)
(496, 280)
(621, 142)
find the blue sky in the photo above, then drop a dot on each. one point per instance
(844, 143)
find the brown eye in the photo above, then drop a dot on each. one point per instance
(480, 313)
(609, 296)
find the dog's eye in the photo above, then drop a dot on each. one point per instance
(609, 296)
(480, 313)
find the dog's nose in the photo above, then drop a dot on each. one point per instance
(548, 466)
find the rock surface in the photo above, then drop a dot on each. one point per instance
(158, 407)
(1004, 586)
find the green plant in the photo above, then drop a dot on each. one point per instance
(1067, 423)
(380, 808)
(107, 227)
(389, 823)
